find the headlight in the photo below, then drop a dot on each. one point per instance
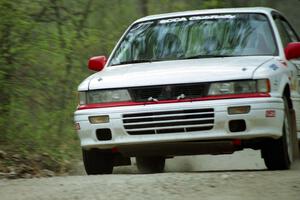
(107, 96)
(239, 87)
(263, 85)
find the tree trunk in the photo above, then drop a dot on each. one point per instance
(143, 7)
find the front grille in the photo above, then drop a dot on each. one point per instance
(174, 121)
(169, 92)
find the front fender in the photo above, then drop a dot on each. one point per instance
(278, 74)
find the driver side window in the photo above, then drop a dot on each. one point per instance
(290, 31)
(287, 34)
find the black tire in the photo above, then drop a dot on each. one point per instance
(147, 165)
(97, 162)
(278, 154)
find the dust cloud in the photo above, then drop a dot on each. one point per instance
(242, 160)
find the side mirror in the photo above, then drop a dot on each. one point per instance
(292, 50)
(97, 63)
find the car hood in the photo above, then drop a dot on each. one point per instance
(175, 72)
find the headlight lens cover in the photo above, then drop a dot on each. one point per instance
(263, 85)
(239, 87)
(107, 96)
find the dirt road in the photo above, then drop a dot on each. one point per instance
(240, 176)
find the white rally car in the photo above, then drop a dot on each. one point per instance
(188, 83)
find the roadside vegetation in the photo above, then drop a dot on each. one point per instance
(44, 48)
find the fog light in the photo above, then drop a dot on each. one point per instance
(237, 125)
(238, 110)
(103, 134)
(99, 119)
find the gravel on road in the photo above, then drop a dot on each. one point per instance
(233, 184)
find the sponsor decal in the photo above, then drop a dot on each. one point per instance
(283, 63)
(165, 21)
(274, 67)
(212, 17)
(196, 18)
(270, 113)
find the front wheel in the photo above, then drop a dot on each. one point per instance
(279, 154)
(148, 165)
(97, 162)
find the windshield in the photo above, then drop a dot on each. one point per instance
(196, 37)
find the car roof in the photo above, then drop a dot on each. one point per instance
(264, 10)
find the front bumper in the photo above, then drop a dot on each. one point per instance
(257, 124)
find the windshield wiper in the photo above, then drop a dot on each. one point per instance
(208, 56)
(149, 60)
(133, 61)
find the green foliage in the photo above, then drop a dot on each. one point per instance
(44, 47)
(213, 4)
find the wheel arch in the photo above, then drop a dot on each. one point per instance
(287, 94)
